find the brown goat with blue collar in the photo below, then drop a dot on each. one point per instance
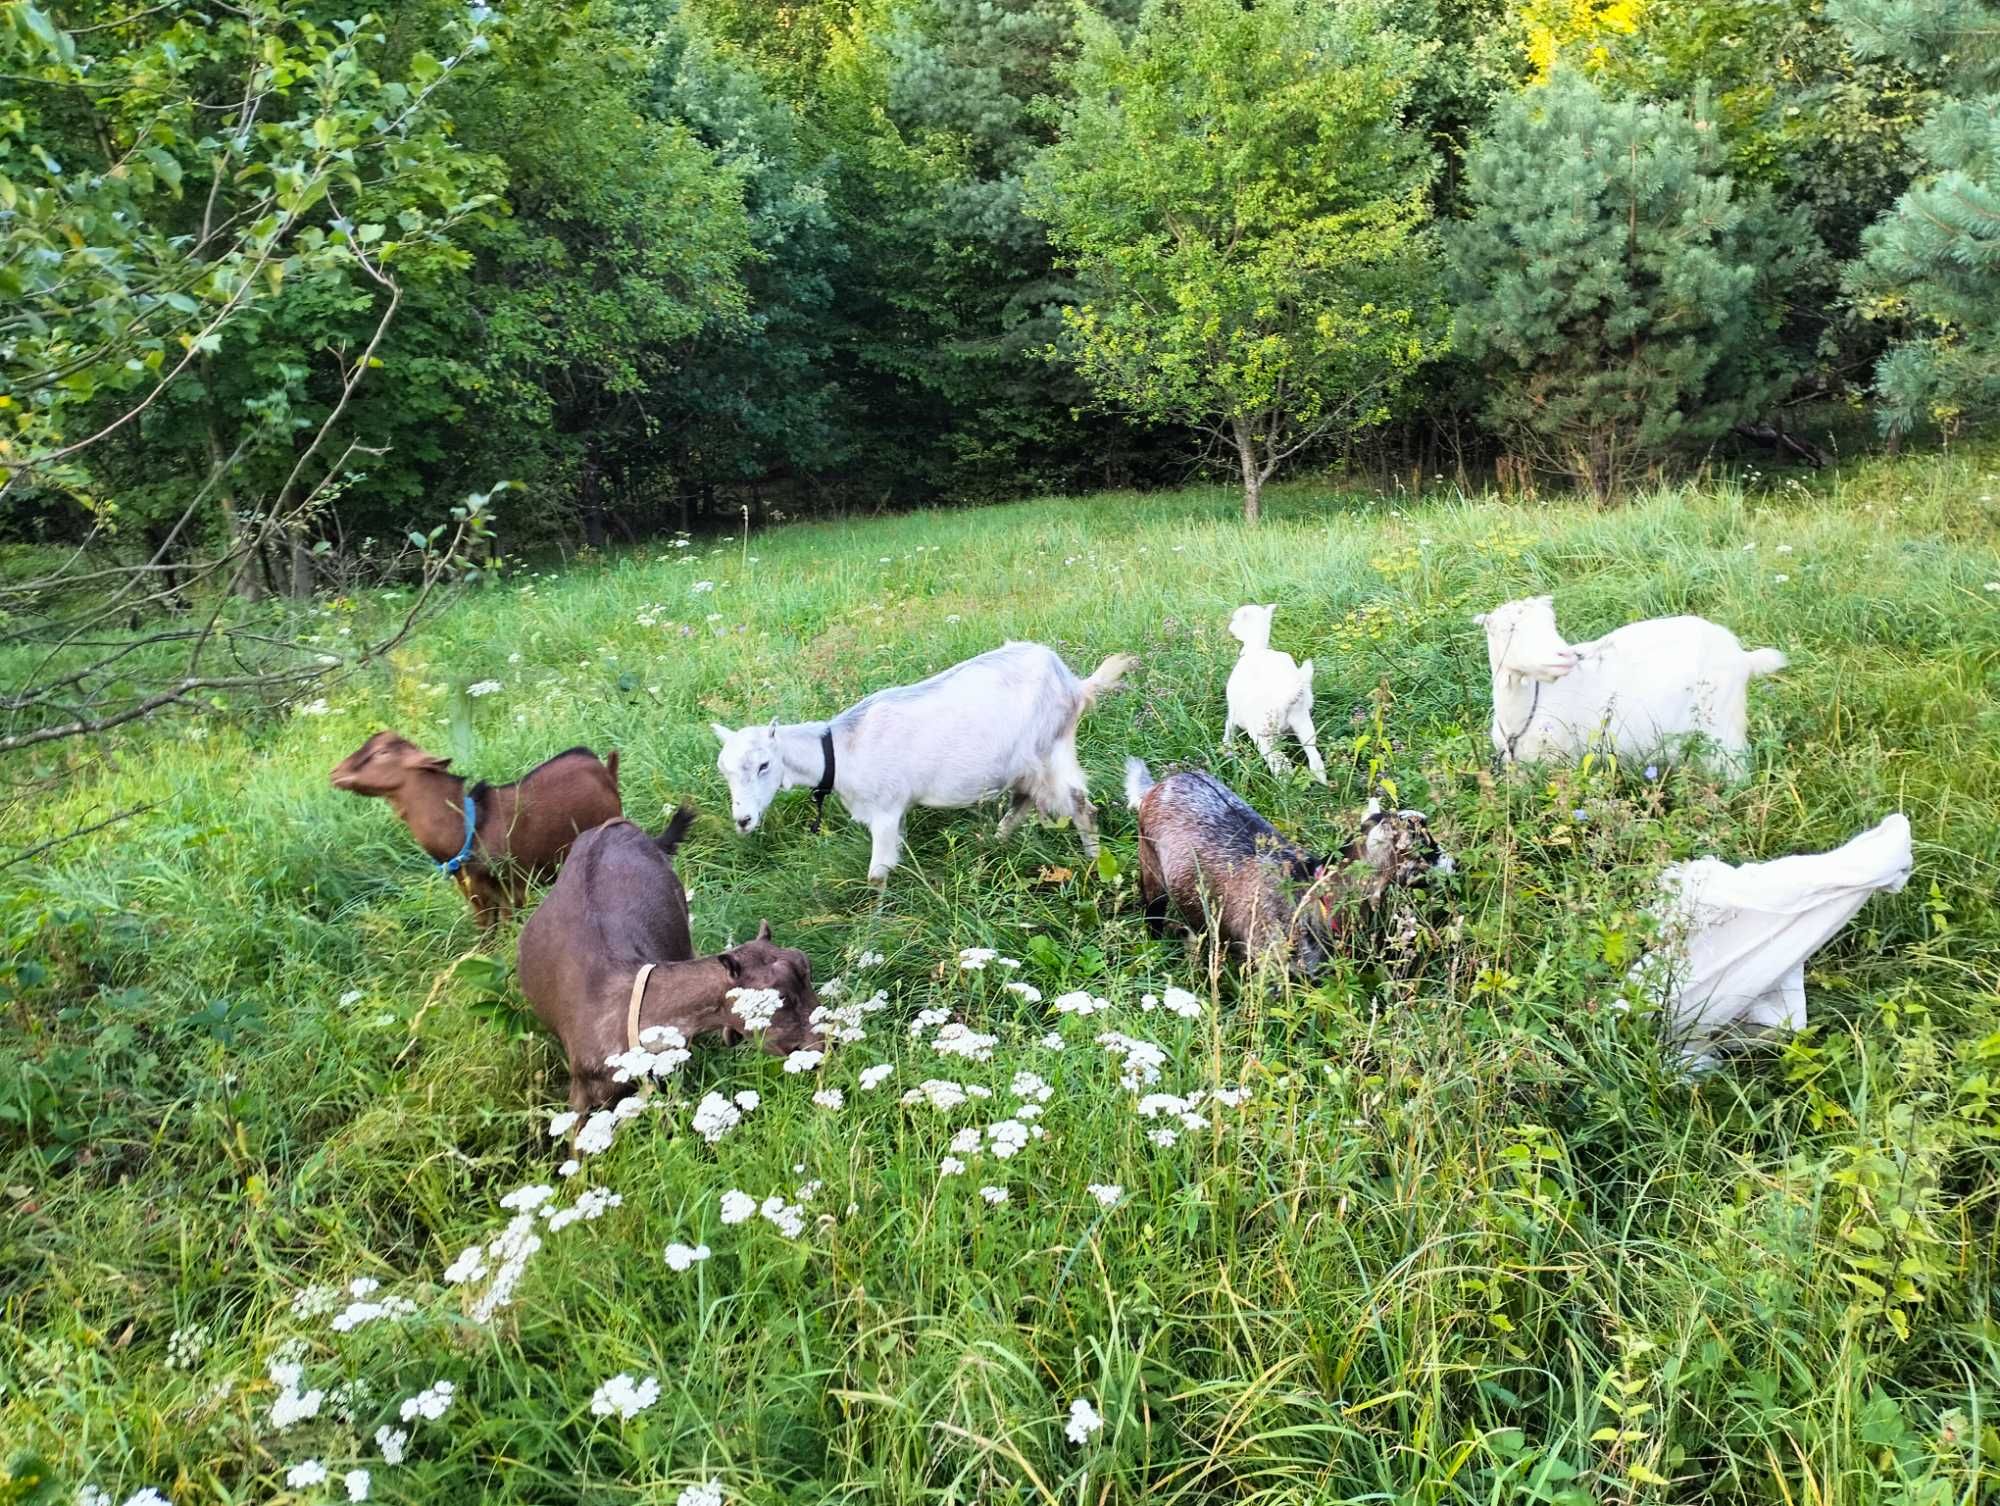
(516, 832)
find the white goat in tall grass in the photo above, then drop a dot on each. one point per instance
(1004, 722)
(1269, 694)
(1637, 691)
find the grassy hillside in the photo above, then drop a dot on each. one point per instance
(1466, 1236)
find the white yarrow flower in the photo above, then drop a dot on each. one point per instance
(994, 1195)
(1027, 991)
(624, 1398)
(483, 688)
(973, 959)
(715, 1116)
(1107, 1193)
(1079, 1002)
(830, 1098)
(431, 1403)
(306, 1473)
(873, 1077)
(708, 1494)
(357, 1482)
(737, 1206)
(804, 1061)
(951, 1166)
(1083, 1421)
(755, 1007)
(682, 1257)
(393, 1442)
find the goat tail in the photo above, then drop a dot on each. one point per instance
(677, 828)
(611, 766)
(1764, 661)
(1107, 677)
(1138, 780)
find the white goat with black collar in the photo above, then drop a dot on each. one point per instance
(1002, 723)
(1641, 690)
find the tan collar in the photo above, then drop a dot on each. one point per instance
(632, 1012)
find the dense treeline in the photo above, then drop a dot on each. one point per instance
(658, 260)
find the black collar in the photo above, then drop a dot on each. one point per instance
(1514, 742)
(825, 785)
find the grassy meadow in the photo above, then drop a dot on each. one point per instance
(1463, 1236)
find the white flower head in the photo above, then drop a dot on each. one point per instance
(951, 1166)
(307, 1472)
(956, 1039)
(873, 1077)
(431, 1403)
(393, 1442)
(788, 1218)
(1007, 1137)
(597, 1132)
(483, 688)
(737, 1206)
(1107, 1193)
(1053, 1041)
(994, 1195)
(715, 1116)
(706, 1494)
(830, 1098)
(755, 1007)
(1079, 1002)
(1083, 1421)
(624, 1398)
(1027, 991)
(526, 1199)
(357, 1482)
(804, 1060)
(680, 1257)
(869, 959)
(973, 959)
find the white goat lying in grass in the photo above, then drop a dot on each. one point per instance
(1637, 691)
(1738, 936)
(1269, 694)
(1003, 722)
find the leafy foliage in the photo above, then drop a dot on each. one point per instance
(1237, 191)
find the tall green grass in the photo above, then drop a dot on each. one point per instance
(1468, 1239)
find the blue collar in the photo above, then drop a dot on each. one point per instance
(465, 852)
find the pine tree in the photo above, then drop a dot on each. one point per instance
(1934, 260)
(1618, 288)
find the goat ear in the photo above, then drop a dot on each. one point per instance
(1479, 619)
(730, 965)
(721, 732)
(442, 765)
(763, 930)
(774, 726)
(1374, 808)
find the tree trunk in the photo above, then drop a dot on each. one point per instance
(242, 579)
(1253, 479)
(593, 510)
(302, 568)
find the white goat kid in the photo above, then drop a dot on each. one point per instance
(1269, 694)
(1642, 689)
(1004, 722)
